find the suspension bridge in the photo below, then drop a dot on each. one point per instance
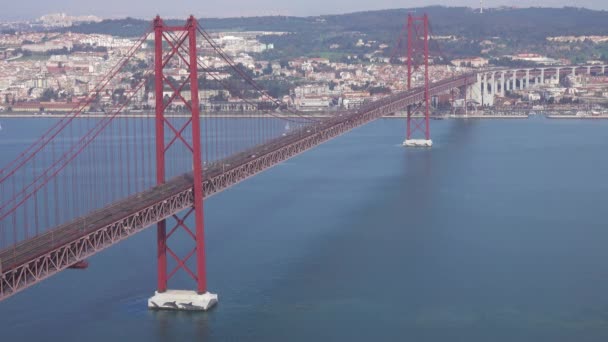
(89, 183)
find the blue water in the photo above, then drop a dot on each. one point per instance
(497, 233)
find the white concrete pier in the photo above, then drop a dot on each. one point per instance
(182, 300)
(418, 143)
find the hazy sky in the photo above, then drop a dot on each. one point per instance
(28, 9)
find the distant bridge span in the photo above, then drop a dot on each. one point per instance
(499, 81)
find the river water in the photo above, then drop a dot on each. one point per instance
(497, 233)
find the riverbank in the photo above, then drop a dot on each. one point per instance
(586, 117)
(447, 117)
(254, 116)
(171, 115)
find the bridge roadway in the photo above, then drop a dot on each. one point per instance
(37, 258)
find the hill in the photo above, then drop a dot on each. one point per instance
(518, 29)
(528, 23)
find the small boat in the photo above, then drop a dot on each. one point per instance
(286, 129)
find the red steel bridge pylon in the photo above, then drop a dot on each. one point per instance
(417, 57)
(181, 42)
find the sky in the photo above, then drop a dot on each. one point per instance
(31, 9)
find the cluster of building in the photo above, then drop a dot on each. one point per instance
(56, 20)
(579, 39)
(481, 62)
(342, 85)
(537, 59)
(471, 62)
(47, 68)
(48, 22)
(236, 42)
(61, 70)
(569, 90)
(581, 88)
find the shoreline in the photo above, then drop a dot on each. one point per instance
(152, 116)
(292, 116)
(255, 116)
(573, 117)
(463, 117)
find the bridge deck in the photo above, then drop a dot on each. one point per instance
(63, 234)
(60, 235)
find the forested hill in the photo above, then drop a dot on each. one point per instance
(513, 30)
(525, 23)
(528, 23)
(130, 27)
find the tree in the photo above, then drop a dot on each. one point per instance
(220, 97)
(266, 105)
(48, 95)
(379, 90)
(118, 95)
(268, 69)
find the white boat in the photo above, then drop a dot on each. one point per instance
(286, 129)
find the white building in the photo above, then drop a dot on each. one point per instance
(313, 103)
(474, 62)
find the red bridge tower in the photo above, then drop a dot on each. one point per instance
(171, 135)
(418, 57)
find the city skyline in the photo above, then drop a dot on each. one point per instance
(32, 9)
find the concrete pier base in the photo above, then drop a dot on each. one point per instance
(182, 300)
(418, 143)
